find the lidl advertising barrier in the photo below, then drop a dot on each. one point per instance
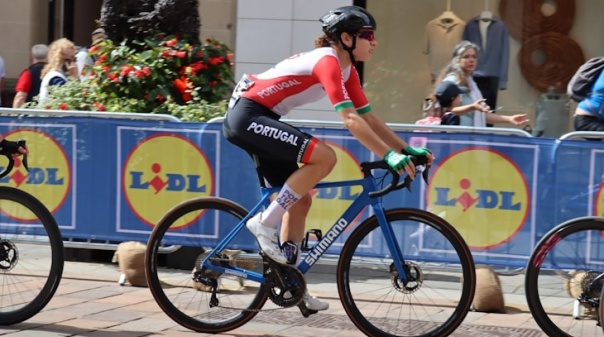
(109, 179)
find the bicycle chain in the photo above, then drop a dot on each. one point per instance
(235, 262)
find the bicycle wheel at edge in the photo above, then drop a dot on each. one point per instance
(438, 302)
(559, 272)
(31, 256)
(183, 299)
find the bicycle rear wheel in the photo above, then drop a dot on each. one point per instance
(31, 256)
(433, 305)
(562, 283)
(182, 296)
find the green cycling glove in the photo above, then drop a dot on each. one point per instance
(395, 160)
(418, 152)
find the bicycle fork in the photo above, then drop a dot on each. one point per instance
(400, 271)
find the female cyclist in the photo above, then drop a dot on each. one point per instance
(259, 101)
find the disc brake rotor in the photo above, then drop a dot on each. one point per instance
(9, 255)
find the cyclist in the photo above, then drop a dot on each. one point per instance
(259, 101)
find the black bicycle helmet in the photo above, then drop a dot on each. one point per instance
(349, 19)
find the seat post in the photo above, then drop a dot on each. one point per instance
(257, 167)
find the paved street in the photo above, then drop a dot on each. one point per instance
(91, 303)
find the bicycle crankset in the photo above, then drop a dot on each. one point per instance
(9, 255)
(414, 275)
(285, 284)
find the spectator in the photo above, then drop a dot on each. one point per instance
(28, 84)
(459, 71)
(589, 114)
(83, 58)
(2, 76)
(61, 65)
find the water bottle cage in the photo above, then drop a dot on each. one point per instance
(318, 235)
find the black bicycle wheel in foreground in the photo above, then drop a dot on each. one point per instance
(31, 256)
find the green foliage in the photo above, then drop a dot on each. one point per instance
(161, 75)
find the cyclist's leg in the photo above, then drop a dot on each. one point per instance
(279, 147)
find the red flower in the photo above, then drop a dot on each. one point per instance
(64, 106)
(146, 71)
(93, 49)
(181, 54)
(183, 86)
(216, 60)
(160, 98)
(125, 70)
(113, 77)
(172, 43)
(99, 106)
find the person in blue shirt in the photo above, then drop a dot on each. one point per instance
(589, 114)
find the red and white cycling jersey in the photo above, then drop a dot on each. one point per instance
(305, 78)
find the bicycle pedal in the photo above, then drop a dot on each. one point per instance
(305, 311)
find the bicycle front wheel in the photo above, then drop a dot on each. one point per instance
(563, 278)
(438, 298)
(31, 256)
(185, 295)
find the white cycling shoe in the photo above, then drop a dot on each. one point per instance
(267, 239)
(314, 303)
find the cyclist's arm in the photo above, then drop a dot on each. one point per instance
(363, 132)
(387, 135)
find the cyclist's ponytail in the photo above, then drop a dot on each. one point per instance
(323, 41)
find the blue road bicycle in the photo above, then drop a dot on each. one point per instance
(400, 272)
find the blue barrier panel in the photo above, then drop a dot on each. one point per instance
(110, 179)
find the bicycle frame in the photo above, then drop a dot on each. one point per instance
(364, 199)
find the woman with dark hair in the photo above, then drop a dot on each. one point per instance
(472, 109)
(259, 101)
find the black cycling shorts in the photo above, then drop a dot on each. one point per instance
(279, 146)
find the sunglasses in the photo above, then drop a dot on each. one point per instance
(368, 35)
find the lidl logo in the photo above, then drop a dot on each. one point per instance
(162, 171)
(329, 204)
(49, 176)
(482, 193)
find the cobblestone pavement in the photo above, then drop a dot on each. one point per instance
(91, 303)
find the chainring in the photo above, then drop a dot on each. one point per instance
(285, 284)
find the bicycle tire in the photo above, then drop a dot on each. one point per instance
(178, 297)
(378, 307)
(558, 274)
(28, 234)
(601, 310)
